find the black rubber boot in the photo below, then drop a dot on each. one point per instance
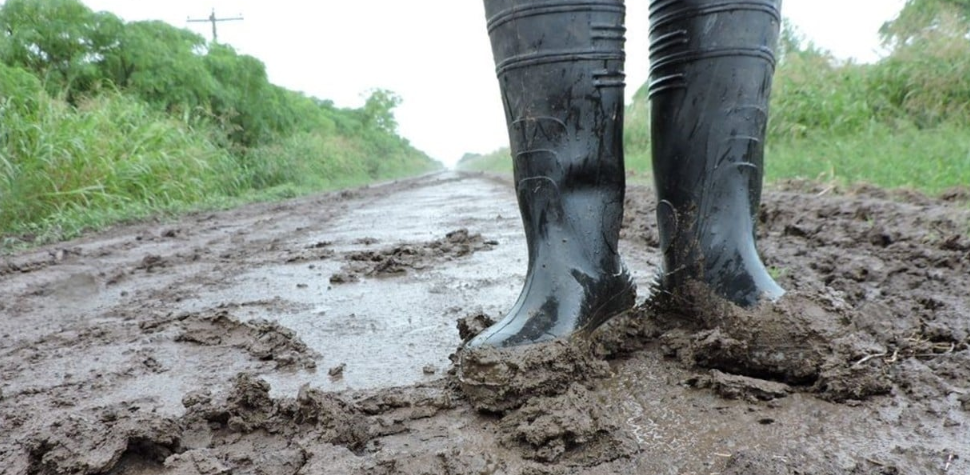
(710, 81)
(560, 69)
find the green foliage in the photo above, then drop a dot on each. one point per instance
(930, 159)
(110, 152)
(636, 134)
(925, 78)
(103, 120)
(813, 94)
(900, 122)
(926, 19)
(379, 110)
(18, 88)
(56, 40)
(160, 64)
(245, 96)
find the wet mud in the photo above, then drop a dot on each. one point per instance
(208, 345)
(399, 259)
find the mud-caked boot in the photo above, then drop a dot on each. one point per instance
(560, 70)
(710, 79)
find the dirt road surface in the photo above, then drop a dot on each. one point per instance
(313, 336)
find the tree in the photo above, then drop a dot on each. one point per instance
(245, 96)
(161, 64)
(379, 110)
(924, 19)
(925, 76)
(58, 40)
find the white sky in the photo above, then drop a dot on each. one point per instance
(435, 53)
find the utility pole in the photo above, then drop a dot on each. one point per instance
(212, 19)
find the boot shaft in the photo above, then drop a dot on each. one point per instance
(712, 64)
(710, 81)
(560, 68)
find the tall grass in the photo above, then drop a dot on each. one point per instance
(636, 136)
(113, 154)
(901, 122)
(65, 169)
(315, 161)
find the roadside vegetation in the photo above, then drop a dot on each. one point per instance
(103, 120)
(903, 121)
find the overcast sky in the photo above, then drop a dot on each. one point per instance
(435, 53)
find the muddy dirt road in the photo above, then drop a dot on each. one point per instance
(313, 336)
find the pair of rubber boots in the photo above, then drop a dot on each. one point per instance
(560, 68)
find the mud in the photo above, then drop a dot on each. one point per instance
(202, 345)
(263, 340)
(502, 379)
(399, 259)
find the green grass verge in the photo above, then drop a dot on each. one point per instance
(929, 160)
(113, 158)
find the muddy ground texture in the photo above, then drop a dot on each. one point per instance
(239, 342)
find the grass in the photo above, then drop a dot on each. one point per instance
(113, 158)
(928, 160)
(58, 164)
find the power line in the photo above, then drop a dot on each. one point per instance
(213, 19)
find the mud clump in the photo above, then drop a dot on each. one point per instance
(248, 405)
(332, 428)
(344, 278)
(151, 262)
(81, 444)
(248, 408)
(399, 259)
(470, 326)
(501, 379)
(803, 339)
(731, 386)
(262, 339)
(338, 421)
(317, 251)
(569, 428)
(337, 372)
(786, 340)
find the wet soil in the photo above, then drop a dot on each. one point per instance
(314, 336)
